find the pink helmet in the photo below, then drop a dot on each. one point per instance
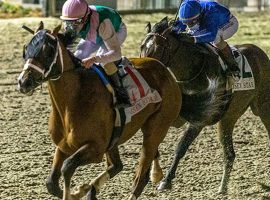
(74, 9)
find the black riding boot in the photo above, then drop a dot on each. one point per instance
(233, 69)
(121, 94)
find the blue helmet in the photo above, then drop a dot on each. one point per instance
(189, 10)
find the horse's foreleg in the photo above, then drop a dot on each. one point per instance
(225, 129)
(156, 174)
(85, 155)
(189, 136)
(115, 166)
(53, 179)
(143, 172)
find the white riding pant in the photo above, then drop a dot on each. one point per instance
(227, 31)
(85, 47)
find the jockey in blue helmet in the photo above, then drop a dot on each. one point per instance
(209, 22)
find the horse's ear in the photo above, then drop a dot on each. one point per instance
(40, 26)
(56, 29)
(148, 27)
(165, 20)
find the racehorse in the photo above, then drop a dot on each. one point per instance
(82, 116)
(207, 99)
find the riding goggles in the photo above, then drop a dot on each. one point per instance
(75, 22)
(192, 22)
(71, 26)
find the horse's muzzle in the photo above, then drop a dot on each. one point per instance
(26, 86)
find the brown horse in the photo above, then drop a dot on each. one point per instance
(206, 100)
(82, 117)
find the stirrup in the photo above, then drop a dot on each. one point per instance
(236, 76)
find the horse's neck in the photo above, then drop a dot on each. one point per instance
(185, 62)
(76, 90)
(62, 91)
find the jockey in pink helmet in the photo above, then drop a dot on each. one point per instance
(101, 30)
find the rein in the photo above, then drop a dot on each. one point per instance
(76, 63)
(178, 81)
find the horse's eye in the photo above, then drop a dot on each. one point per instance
(48, 51)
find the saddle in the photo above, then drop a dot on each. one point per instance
(246, 79)
(140, 95)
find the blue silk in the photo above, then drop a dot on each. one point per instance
(213, 17)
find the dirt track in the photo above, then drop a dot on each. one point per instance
(26, 150)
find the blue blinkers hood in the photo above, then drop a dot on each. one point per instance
(35, 45)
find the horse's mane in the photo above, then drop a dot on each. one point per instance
(161, 26)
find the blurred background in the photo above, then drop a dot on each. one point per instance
(53, 7)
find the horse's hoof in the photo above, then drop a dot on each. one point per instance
(54, 190)
(164, 186)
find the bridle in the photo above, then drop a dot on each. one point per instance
(156, 34)
(46, 73)
(166, 46)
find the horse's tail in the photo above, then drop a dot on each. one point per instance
(206, 107)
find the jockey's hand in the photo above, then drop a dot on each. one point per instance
(88, 62)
